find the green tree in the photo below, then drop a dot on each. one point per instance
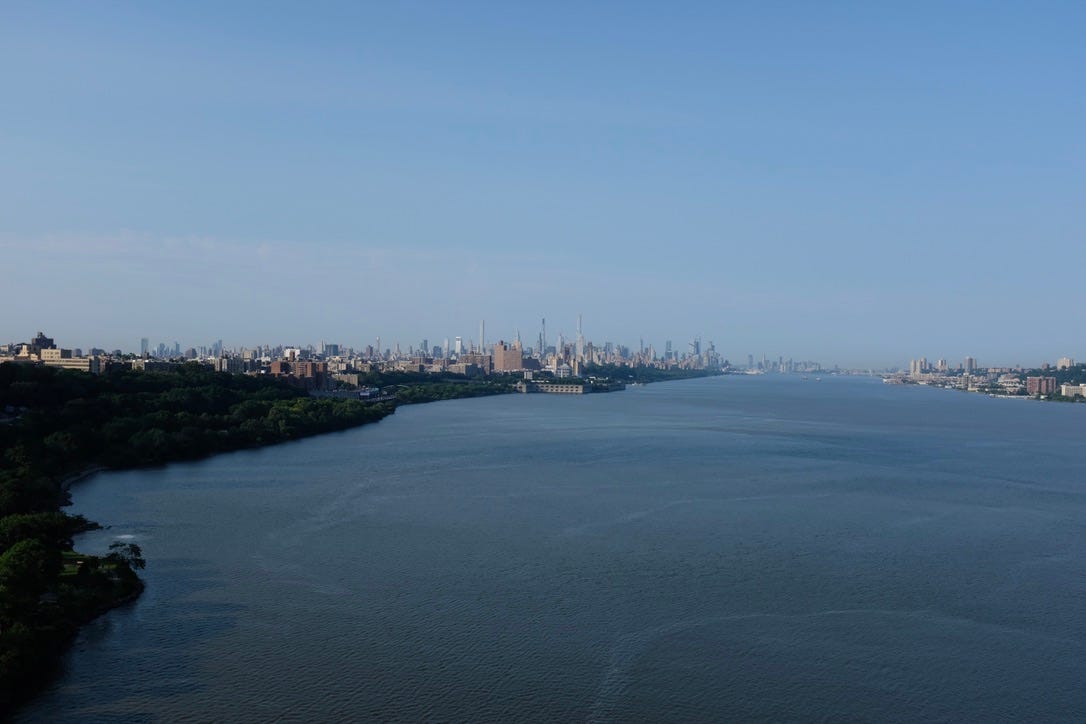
(27, 569)
(128, 554)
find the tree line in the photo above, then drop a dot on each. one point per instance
(57, 423)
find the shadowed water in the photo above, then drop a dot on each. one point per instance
(726, 548)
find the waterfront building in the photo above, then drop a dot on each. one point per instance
(553, 388)
(1040, 385)
(1073, 390)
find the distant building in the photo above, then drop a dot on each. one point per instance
(508, 357)
(53, 357)
(1040, 385)
(1073, 390)
(152, 365)
(233, 365)
(484, 362)
(553, 388)
(1064, 363)
(466, 369)
(43, 350)
(39, 343)
(970, 365)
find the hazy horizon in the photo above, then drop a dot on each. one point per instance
(852, 184)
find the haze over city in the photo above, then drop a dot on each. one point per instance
(855, 184)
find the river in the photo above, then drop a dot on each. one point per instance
(736, 548)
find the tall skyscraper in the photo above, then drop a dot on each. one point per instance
(580, 340)
(145, 345)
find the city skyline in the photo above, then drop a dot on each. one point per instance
(164, 346)
(859, 184)
(580, 348)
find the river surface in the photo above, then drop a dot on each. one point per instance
(729, 548)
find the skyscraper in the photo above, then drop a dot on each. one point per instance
(580, 340)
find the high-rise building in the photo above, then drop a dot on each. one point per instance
(508, 357)
(918, 366)
(579, 352)
(145, 345)
(459, 348)
(970, 365)
(1040, 385)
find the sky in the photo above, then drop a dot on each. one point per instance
(854, 183)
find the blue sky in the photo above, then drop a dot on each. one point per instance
(858, 183)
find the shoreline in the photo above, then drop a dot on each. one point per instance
(67, 482)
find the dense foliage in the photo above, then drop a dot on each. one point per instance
(644, 374)
(55, 423)
(434, 391)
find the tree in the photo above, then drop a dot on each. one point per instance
(128, 554)
(27, 569)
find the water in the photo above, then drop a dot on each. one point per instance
(726, 548)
